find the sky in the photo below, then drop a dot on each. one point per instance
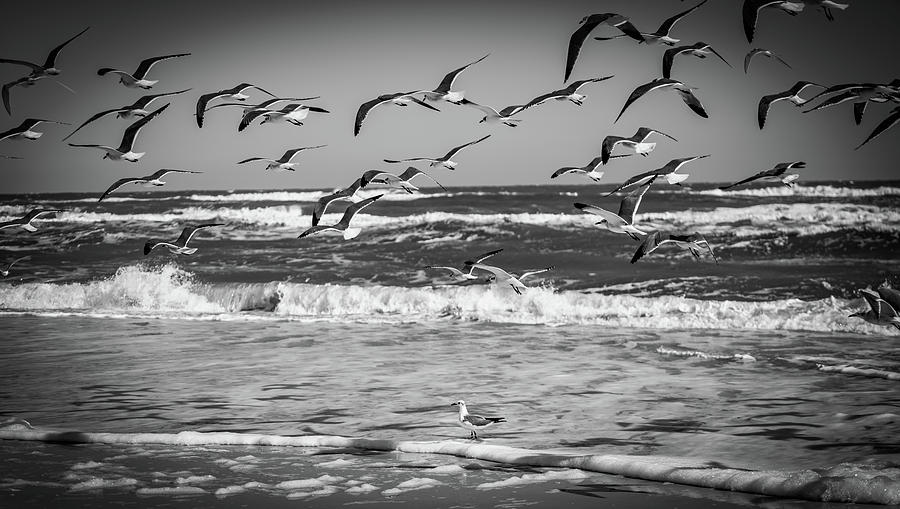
(349, 52)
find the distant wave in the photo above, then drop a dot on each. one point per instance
(845, 483)
(800, 190)
(298, 196)
(167, 291)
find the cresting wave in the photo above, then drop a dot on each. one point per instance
(168, 291)
(822, 191)
(847, 482)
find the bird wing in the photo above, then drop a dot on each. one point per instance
(93, 118)
(669, 58)
(496, 271)
(162, 173)
(757, 176)
(649, 244)
(356, 207)
(835, 100)
(716, 53)
(324, 201)
(455, 150)
(251, 159)
(189, 232)
(245, 86)
(578, 37)
(609, 217)
(370, 175)
(751, 10)
(203, 101)
(667, 25)
(367, 106)
(637, 179)
(564, 170)
(629, 205)
(533, 272)
(250, 116)
(34, 67)
(289, 154)
(145, 65)
(643, 132)
(447, 83)
(873, 299)
(486, 109)
(749, 57)
(482, 257)
(762, 111)
(609, 143)
(885, 124)
(890, 295)
(51, 57)
(132, 131)
(643, 89)
(119, 183)
(477, 420)
(453, 270)
(693, 102)
(859, 109)
(412, 172)
(4, 92)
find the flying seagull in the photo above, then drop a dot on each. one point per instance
(263, 106)
(503, 277)
(343, 225)
(764, 52)
(591, 170)
(139, 108)
(491, 115)
(139, 78)
(667, 171)
(885, 124)
(699, 50)
(179, 246)
(880, 311)
(443, 92)
(751, 10)
(465, 275)
(154, 179)
(661, 36)
(49, 66)
(24, 130)
(891, 295)
(474, 423)
(283, 162)
(403, 180)
(125, 149)
(397, 98)
(444, 160)
(637, 142)
(5, 272)
(236, 93)
(588, 24)
(623, 222)
(776, 174)
(569, 93)
(861, 94)
(347, 193)
(661, 83)
(293, 114)
(25, 221)
(693, 242)
(792, 94)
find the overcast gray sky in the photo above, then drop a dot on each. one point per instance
(350, 52)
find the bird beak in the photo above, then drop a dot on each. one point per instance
(453, 404)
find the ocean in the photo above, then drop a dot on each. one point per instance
(745, 374)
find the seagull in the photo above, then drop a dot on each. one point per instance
(138, 109)
(667, 171)
(125, 148)
(502, 277)
(661, 36)
(792, 94)
(154, 179)
(881, 312)
(474, 423)
(24, 130)
(660, 83)
(139, 78)
(588, 24)
(49, 67)
(462, 276)
(699, 50)
(402, 180)
(347, 193)
(247, 108)
(397, 98)
(444, 160)
(776, 174)
(180, 244)
(889, 294)
(5, 272)
(860, 94)
(282, 163)
(885, 124)
(343, 225)
(293, 114)
(693, 242)
(637, 143)
(25, 221)
(751, 10)
(491, 115)
(569, 93)
(236, 93)
(623, 222)
(591, 170)
(443, 92)
(764, 52)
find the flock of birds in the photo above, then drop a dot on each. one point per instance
(295, 111)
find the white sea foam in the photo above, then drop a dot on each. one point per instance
(552, 475)
(416, 483)
(844, 483)
(821, 191)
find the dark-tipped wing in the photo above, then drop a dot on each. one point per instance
(51, 57)
(751, 10)
(203, 101)
(643, 89)
(356, 207)
(667, 25)
(609, 143)
(163, 172)
(637, 179)
(890, 295)
(34, 67)
(762, 111)
(564, 170)
(93, 118)
(482, 257)
(370, 175)
(885, 124)
(859, 109)
(324, 201)
(245, 86)
(629, 205)
(132, 131)
(650, 243)
(367, 106)
(119, 183)
(447, 83)
(693, 102)
(757, 176)
(455, 150)
(251, 159)
(4, 92)
(643, 132)
(412, 172)
(578, 38)
(669, 59)
(189, 232)
(145, 65)
(250, 116)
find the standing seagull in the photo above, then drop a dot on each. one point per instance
(5, 272)
(398, 98)
(236, 93)
(343, 225)
(463, 276)
(776, 174)
(24, 130)
(139, 78)
(661, 36)
(637, 142)
(443, 92)
(154, 179)
(49, 67)
(591, 170)
(792, 94)
(125, 148)
(699, 50)
(293, 114)
(764, 52)
(491, 115)
(180, 244)
(751, 10)
(885, 124)
(693, 242)
(474, 423)
(347, 193)
(623, 222)
(588, 24)
(282, 163)
(880, 312)
(444, 160)
(25, 221)
(138, 109)
(667, 171)
(569, 93)
(402, 181)
(660, 83)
